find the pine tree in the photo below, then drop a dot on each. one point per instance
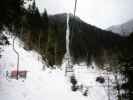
(45, 20)
(10, 11)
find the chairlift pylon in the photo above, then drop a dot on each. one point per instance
(17, 53)
(16, 74)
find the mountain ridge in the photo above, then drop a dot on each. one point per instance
(85, 39)
(123, 29)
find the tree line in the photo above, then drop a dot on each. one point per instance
(32, 27)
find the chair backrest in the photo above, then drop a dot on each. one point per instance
(21, 74)
(13, 74)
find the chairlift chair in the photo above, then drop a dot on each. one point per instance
(14, 74)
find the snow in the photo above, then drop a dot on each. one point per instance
(48, 84)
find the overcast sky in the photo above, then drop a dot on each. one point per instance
(101, 13)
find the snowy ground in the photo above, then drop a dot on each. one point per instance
(48, 84)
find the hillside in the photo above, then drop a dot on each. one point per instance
(46, 83)
(61, 57)
(124, 29)
(85, 40)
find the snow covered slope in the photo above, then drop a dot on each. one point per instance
(48, 84)
(123, 29)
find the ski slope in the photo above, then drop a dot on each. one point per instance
(48, 84)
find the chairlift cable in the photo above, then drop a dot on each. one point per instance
(74, 14)
(69, 59)
(75, 7)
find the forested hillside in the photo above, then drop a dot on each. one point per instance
(47, 35)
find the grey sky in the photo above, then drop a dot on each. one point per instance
(101, 13)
